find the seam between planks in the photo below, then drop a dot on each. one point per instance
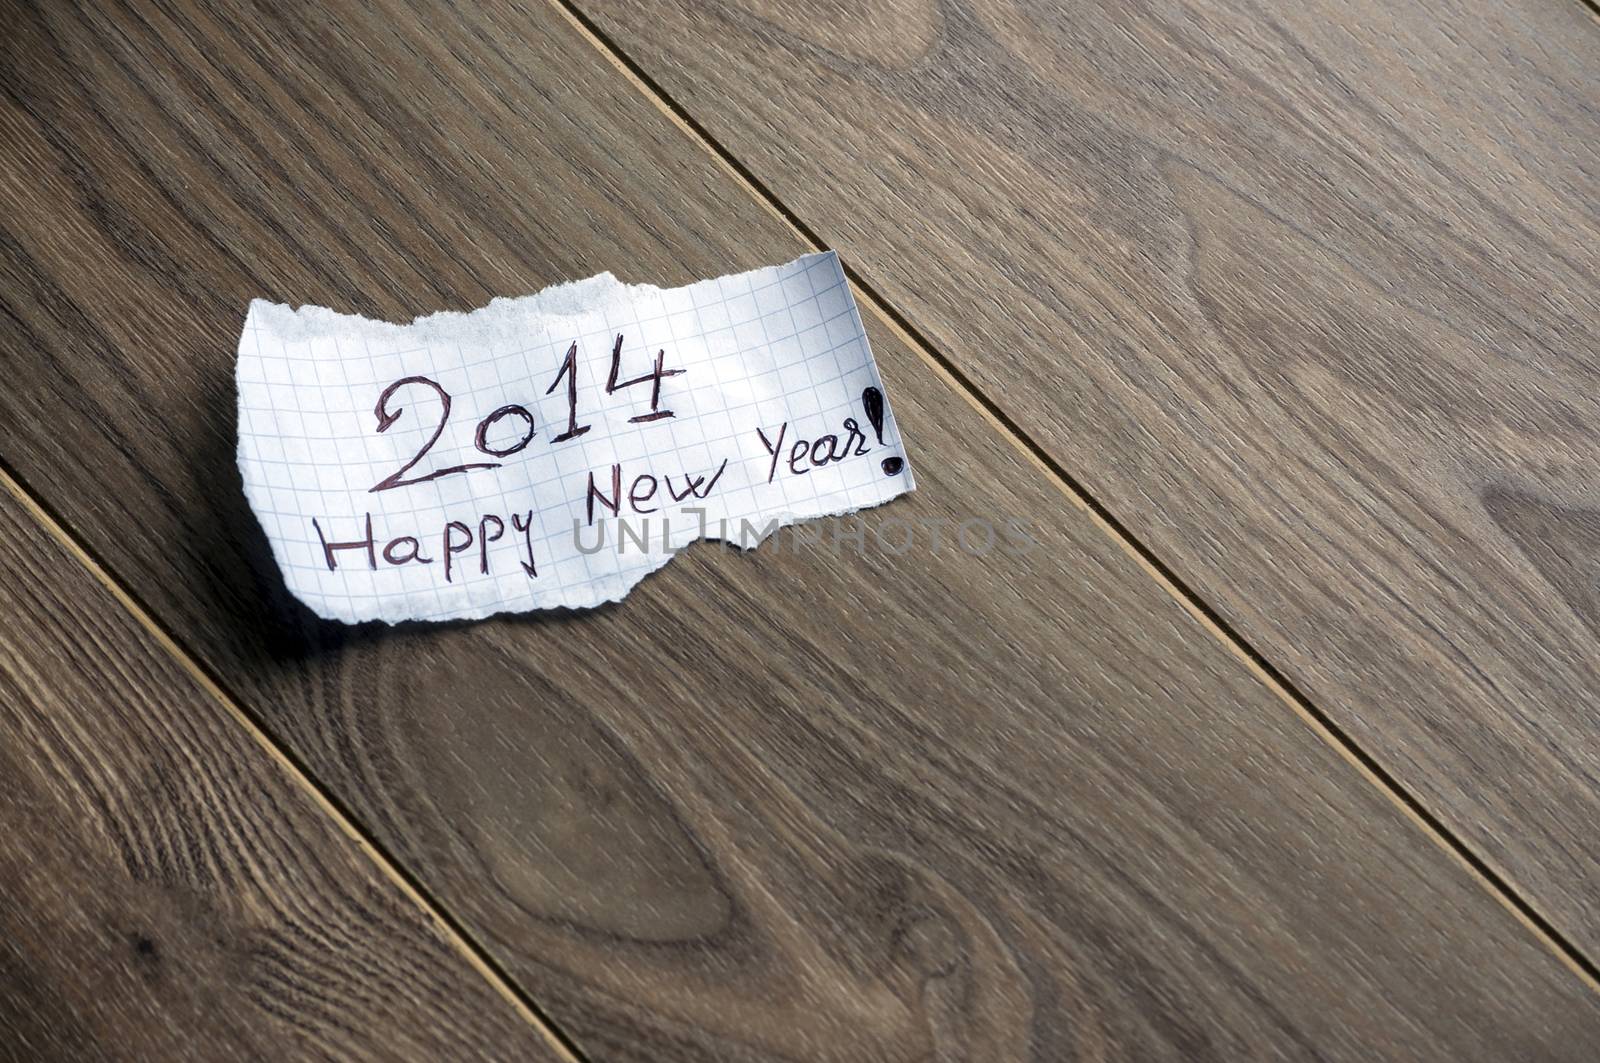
(438, 916)
(1492, 879)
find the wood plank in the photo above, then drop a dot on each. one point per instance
(169, 891)
(1305, 295)
(810, 802)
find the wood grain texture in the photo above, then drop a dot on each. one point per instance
(810, 803)
(1305, 295)
(167, 892)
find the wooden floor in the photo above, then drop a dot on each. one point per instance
(1278, 325)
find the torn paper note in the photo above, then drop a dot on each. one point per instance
(555, 449)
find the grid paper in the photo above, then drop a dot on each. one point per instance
(778, 351)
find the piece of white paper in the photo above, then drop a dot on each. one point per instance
(555, 449)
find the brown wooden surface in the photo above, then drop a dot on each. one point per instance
(798, 804)
(1307, 295)
(167, 891)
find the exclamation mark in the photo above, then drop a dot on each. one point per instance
(872, 399)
